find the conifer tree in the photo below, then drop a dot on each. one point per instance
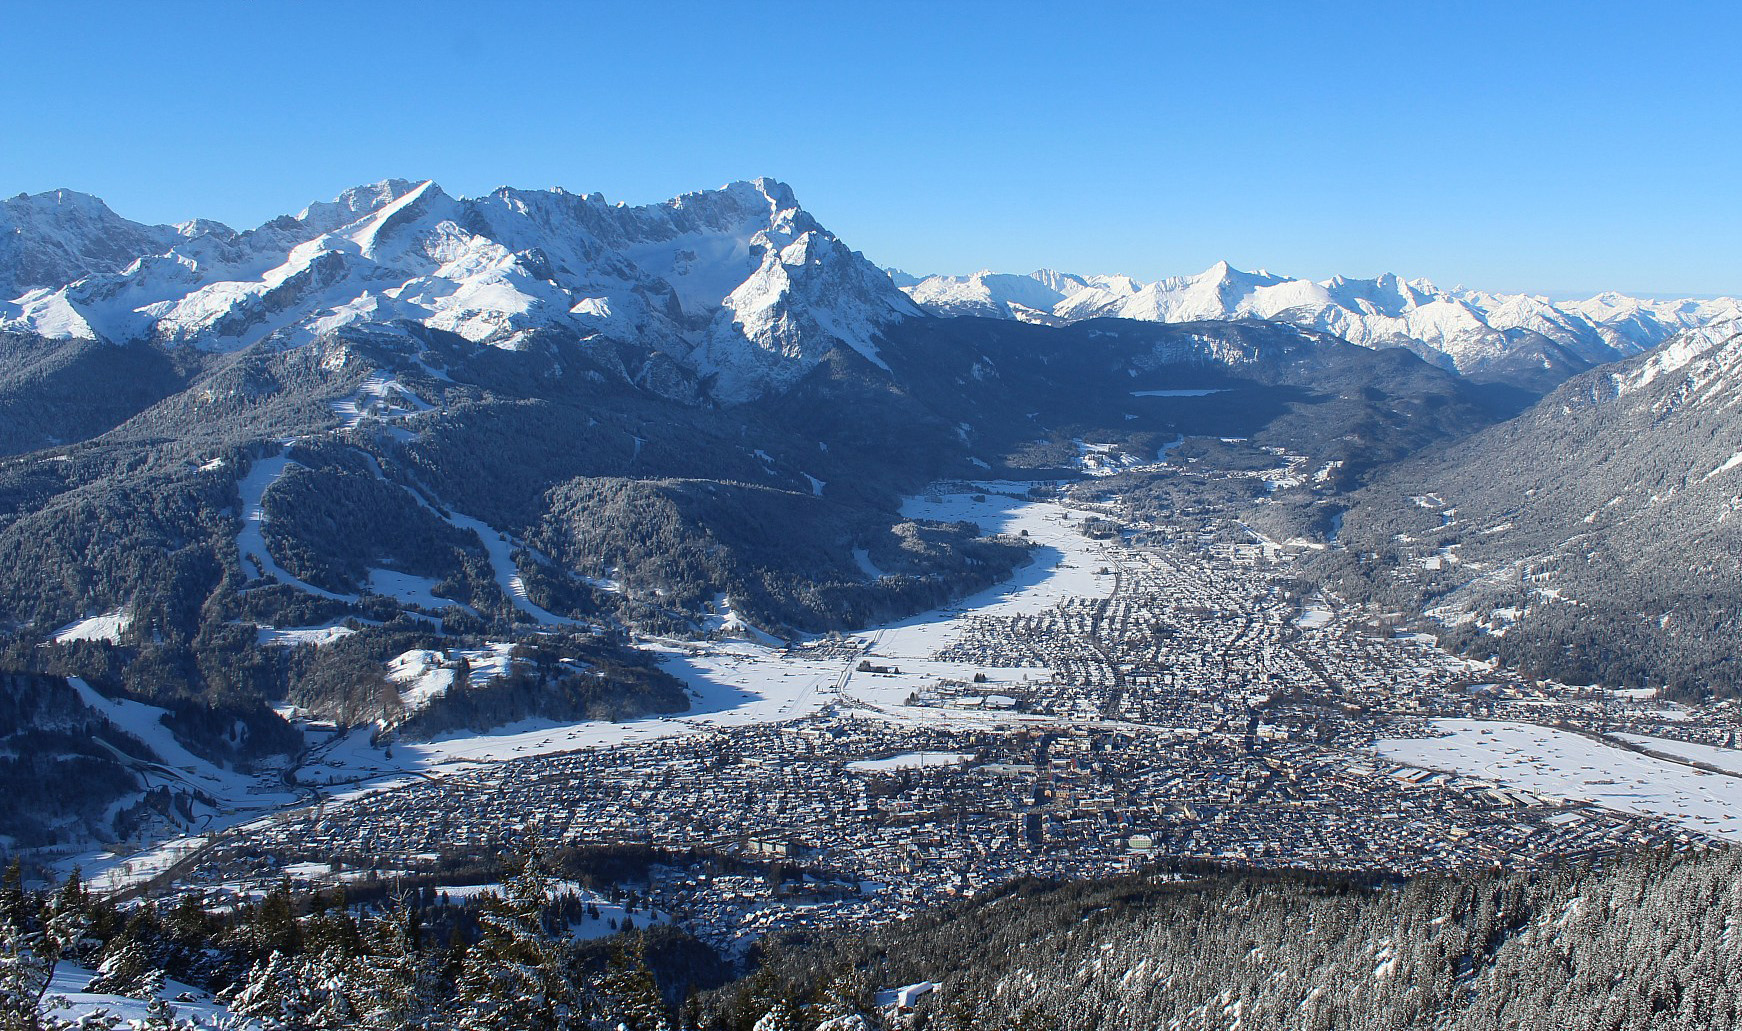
(399, 982)
(629, 994)
(26, 970)
(517, 977)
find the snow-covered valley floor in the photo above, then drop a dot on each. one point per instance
(1562, 764)
(736, 682)
(739, 681)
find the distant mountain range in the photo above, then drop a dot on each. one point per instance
(1515, 337)
(740, 284)
(737, 290)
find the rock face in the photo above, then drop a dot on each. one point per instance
(740, 284)
(1511, 336)
(50, 239)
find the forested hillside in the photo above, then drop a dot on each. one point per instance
(1592, 539)
(1645, 943)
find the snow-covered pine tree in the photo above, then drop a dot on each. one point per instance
(159, 1016)
(398, 982)
(126, 969)
(67, 923)
(13, 900)
(781, 1016)
(517, 976)
(629, 995)
(271, 994)
(26, 971)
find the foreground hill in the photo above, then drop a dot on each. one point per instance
(1647, 943)
(1593, 538)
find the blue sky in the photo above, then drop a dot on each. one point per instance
(1558, 148)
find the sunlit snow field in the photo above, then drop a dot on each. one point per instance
(1562, 764)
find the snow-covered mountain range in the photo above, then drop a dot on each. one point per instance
(1467, 330)
(738, 283)
(740, 288)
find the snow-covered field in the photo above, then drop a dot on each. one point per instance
(105, 871)
(1104, 459)
(69, 984)
(747, 681)
(1065, 565)
(181, 768)
(1562, 764)
(910, 761)
(107, 627)
(1729, 759)
(292, 636)
(238, 797)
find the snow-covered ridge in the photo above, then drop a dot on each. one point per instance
(1470, 329)
(1709, 350)
(49, 239)
(739, 282)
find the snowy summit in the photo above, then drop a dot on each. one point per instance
(738, 282)
(1467, 330)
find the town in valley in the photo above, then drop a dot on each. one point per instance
(1154, 690)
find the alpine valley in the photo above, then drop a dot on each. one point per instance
(670, 608)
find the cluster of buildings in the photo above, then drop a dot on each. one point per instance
(1203, 710)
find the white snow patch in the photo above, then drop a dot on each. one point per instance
(381, 397)
(1729, 463)
(911, 761)
(408, 588)
(1562, 764)
(295, 635)
(107, 627)
(1103, 459)
(1729, 759)
(863, 557)
(177, 766)
(421, 677)
(69, 984)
